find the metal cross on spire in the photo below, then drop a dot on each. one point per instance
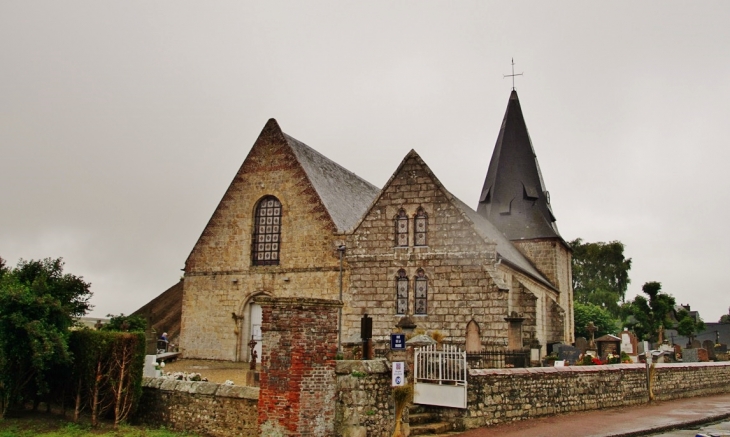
(513, 74)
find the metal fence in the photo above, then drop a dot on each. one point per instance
(498, 359)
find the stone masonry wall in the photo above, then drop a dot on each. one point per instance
(364, 399)
(219, 277)
(456, 261)
(297, 383)
(553, 259)
(503, 395)
(199, 407)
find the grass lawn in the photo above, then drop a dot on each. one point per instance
(32, 424)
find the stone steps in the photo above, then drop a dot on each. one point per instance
(430, 428)
(420, 418)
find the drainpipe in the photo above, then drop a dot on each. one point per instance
(341, 249)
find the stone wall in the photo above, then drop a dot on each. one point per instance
(503, 395)
(219, 277)
(363, 402)
(364, 399)
(457, 262)
(199, 407)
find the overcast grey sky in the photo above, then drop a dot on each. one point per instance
(122, 123)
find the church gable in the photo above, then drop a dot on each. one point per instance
(415, 211)
(416, 253)
(271, 171)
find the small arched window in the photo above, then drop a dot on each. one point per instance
(421, 227)
(267, 233)
(421, 292)
(401, 228)
(401, 300)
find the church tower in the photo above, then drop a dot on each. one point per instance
(515, 200)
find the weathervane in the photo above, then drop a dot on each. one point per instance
(513, 74)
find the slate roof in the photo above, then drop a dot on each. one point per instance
(165, 311)
(723, 331)
(345, 195)
(505, 248)
(514, 197)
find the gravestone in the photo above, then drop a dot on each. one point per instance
(582, 344)
(721, 349)
(696, 344)
(569, 354)
(644, 347)
(690, 356)
(591, 328)
(555, 348)
(150, 369)
(608, 344)
(629, 343)
(709, 346)
(702, 355)
(677, 352)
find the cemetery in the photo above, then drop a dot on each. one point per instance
(303, 387)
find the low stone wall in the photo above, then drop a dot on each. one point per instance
(199, 407)
(503, 395)
(364, 399)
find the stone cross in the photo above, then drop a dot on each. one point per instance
(591, 328)
(661, 334)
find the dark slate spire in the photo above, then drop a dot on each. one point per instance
(514, 197)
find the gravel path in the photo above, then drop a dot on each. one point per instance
(215, 371)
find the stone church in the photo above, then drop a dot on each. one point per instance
(293, 223)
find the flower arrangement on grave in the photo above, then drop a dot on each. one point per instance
(613, 359)
(625, 358)
(589, 360)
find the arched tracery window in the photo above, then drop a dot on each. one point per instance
(267, 232)
(401, 228)
(421, 227)
(421, 292)
(401, 304)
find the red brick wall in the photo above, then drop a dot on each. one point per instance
(298, 386)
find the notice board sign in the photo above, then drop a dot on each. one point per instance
(399, 374)
(398, 342)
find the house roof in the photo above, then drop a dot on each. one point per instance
(345, 195)
(514, 197)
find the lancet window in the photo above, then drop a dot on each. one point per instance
(266, 241)
(421, 292)
(421, 227)
(401, 228)
(401, 281)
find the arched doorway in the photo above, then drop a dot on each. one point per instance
(250, 327)
(255, 328)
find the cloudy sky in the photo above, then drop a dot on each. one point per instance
(122, 123)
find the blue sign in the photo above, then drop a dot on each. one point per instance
(398, 342)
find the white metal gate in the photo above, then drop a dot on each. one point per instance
(440, 376)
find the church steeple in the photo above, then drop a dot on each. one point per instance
(514, 197)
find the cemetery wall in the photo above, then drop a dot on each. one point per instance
(199, 407)
(504, 395)
(365, 399)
